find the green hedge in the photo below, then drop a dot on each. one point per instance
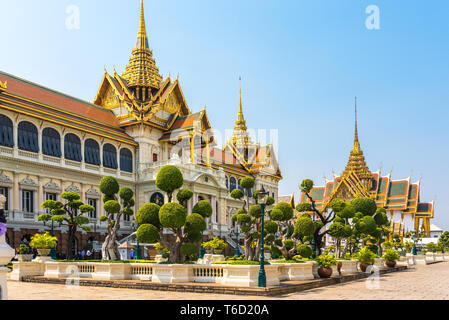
(240, 262)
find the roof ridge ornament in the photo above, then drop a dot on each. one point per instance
(3, 86)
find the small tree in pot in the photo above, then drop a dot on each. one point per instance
(325, 263)
(391, 256)
(366, 258)
(24, 254)
(42, 243)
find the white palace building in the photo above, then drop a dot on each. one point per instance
(138, 122)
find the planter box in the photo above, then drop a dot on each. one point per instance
(403, 261)
(420, 259)
(22, 269)
(248, 276)
(410, 259)
(347, 267)
(439, 257)
(446, 256)
(111, 271)
(211, 258)
(172, 273)
(314, 269)
(295, 271)
(430, 257)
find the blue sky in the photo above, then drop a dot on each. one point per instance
(302, 63)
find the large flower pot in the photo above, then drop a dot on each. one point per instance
(325, 272)
(24, 257)
(390, 264)
(43, 252)
(364, 266)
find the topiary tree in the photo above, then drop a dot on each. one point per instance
(168, 179)
(117, 202)
(70, 214)
(443, 241)
(187, 229)
(249, 218)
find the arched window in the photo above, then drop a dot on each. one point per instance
(126, 160)
(6, 132)
(239, 185)
(27, 137)
(92, 152)
(51, 142)
(72, 147)
(233, 183)
(157, 198)
(109, 156)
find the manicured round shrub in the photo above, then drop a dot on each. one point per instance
(288, 244)
(237, 194)
(255, 211)
(107, 198)
(169, 178)
(184, 195)
(304, 206)
(234, 217)
(148, 213)
(337, 205)
(195, 223)
(172, 215)
(241, 211)
(367, 206)
(109, 185)
(348, 212)
(147, 233)
(304, 227)
(70, 196)
(245, 229)
(269, 237)
(306, 186)
(243, 218)
(126, 194)
(203, 208)
(270, 201)
(286, 209)
(112, 207)
(381, 218)
(366, 225)
(270, 227)
(277, 215)
(304, 250)
(247, 183)
(127, 212)
(188, 249)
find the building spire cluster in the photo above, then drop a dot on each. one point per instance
(356, 162)
(142, 72)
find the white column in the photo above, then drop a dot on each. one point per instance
(6, 254)
(214, 209)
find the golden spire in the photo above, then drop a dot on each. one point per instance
(240, 123)
(142, 70)
(356, 162)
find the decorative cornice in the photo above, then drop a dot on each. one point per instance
(93, 192)
(51, 185)
(73, 188)
(28, 182)
(4, 179)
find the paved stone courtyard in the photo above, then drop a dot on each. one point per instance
(424, 282)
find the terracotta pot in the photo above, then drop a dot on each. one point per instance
(43, 252)
(325, 272)
(364, 266)
(390, 264)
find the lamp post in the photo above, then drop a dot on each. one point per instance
(237, 247)
(262, 276)
(137, 256)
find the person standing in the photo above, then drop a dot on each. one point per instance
(131, 254)
(83, 253)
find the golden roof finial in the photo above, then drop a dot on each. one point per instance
(356, 161)
(142, 70)
(240, 124)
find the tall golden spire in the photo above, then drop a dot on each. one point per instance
(356, 162)
(142, 72)
(240, 123)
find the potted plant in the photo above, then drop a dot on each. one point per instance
(24, 254)
(391, 256)
(325, 263)
(42, 243)
(163, 251)
(366, 258)
(208, 246)
(216, 244)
